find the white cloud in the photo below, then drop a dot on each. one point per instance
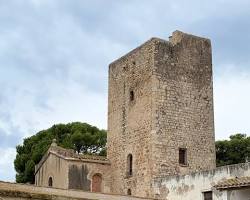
(54, 57)
(7, 171)
(231, 97)
(65, 102)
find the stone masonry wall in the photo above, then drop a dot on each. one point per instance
(183, 105)
(172, 86)
(10, 191)
(129, 121)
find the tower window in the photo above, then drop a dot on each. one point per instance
(131, 95)
(208, 195)
(129, 192)
(50, 182)
(182, 156)
(130, 165)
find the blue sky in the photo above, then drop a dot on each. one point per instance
(54, 57)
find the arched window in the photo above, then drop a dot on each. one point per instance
(130, 165)
(129, 192)
(50, 182)
(96, 185)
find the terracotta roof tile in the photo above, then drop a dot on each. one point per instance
(69, 153)
(233, 183)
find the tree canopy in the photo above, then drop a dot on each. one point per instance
(81, 137)
(233, 151)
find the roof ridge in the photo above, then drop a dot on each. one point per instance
(71, 153)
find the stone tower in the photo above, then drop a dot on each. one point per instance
(160, 112)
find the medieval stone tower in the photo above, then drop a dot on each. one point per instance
(160, 112)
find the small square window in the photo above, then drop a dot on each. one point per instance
(182, 156)
(208, 195)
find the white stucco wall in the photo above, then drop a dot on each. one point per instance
(190, 187)
(54, 167)
(243, 194)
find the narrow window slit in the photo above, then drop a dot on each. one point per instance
(131, 95)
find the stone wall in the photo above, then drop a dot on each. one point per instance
(11, 191)
(160, 100)
(129, 120)
(183, 114)
(192, 186)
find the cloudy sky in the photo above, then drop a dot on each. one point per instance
(54, 57)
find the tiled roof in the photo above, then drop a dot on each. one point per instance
(70, 154)
(233, 183)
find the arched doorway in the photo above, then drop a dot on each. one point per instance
(96, 185)
(50, 182)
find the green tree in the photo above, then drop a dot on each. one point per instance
(233, 151)
(81, 137)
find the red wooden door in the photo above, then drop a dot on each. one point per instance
(97, 183)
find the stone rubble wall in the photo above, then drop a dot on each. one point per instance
(129, 122)
(12, 191)
(172, 108)
(183, 115)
